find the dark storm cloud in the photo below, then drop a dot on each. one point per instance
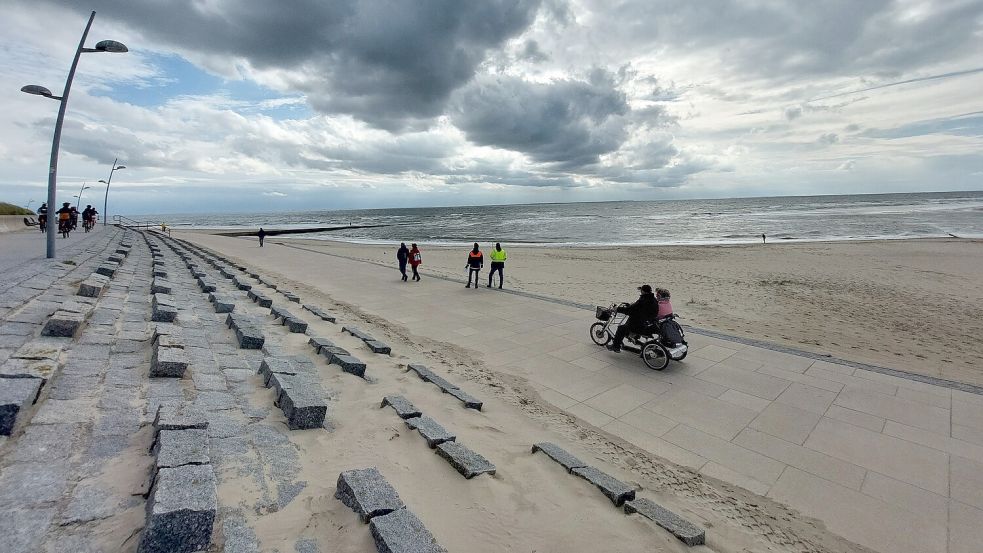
(787, 39)
(386, 63)
(567, 123)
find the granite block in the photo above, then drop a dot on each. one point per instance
(464, 460)
(175, 448)
(63, 324)
(559, 455)
(403, 407)
(349, 364)
(317, 342)
(168, 362)
(367, 493)
(16, 394)
(378, 347)
(180, 511)
(402, 532)
(431, 430)
(468, 400)
(615, 490)
(686, 531)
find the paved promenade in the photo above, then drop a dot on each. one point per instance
(890, 463)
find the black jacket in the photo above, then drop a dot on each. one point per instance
(646, 308)
(402, 254)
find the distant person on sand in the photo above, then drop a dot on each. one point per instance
(402, 256)
(498, 264)
(762, 238)
(475, 262)
(415, 260)
(262, 236)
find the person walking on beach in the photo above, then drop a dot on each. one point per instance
(762, 238)
(402, 256)
(498, 264)
(262, 236)
(475, 262)
(415, 260)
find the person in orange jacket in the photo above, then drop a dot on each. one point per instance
(475, 262)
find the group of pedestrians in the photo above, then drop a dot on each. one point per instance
(410, 255)
(476, 262)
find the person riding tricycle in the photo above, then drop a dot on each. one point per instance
(648, 325)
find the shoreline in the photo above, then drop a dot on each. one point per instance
(573, 245)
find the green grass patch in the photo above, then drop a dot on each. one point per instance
(11, 209)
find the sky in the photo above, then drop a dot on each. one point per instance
(245, 106)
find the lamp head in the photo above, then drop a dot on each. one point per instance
(111, 46)
(37, 90)
(120, 167)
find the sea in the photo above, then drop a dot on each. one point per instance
(665, 222)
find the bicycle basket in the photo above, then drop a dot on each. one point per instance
(602, 313)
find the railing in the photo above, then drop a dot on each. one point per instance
(126, 222)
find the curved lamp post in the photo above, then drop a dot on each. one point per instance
(103, 46)
(79, 196)
(105, 201)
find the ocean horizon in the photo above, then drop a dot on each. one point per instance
(659, 222)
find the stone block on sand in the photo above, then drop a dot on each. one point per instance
(160, 286)
(615, 490)
(295, 325)
(367, 493)
(464, 460)
(378, 347)
(63, 324)
(431, 430)
(250, 337)
(168, 362)
(330, 352)
(303, 406)
(318, 342)
(175, 448)
(402, 532)
(467, 399)
(421, 370)
(93, 286)
(164, 314)
(16, 394)
(686, 531)
(403, 407)
(559, 455)
(107, 270)
(180, 511)
(349, 364)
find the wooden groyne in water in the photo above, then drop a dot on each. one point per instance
(277, 232)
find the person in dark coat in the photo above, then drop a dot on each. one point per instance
(640, 313)
(262, 235)
(475, 262)
(402, 256)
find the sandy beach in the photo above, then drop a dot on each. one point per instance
(913, 305)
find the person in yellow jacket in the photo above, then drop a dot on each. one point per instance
(498, 264)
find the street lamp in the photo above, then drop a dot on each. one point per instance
(103, 46)
(79, 196)
(105, 201)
